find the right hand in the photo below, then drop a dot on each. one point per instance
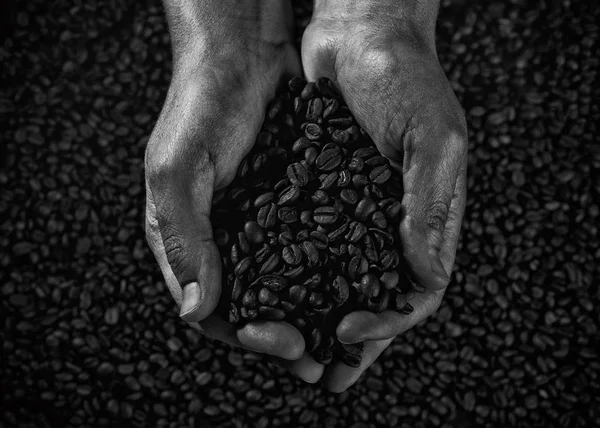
(227, 62)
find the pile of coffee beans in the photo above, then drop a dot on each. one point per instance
(308, 230)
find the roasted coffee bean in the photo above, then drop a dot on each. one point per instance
(341, 122)
(289, 196)
(270, 313)
(365, 153)
(325, 215)
(328, 180)
(328, 160)
(297, 174)
(407, 309)
(287, 306)
(274, 108)
(297, 293)
(234, 314)
(377, 161)
(254, 233)
(243, 266)
(356, 232)
(302, 235)
(306, 218)
(323, 356)
(379, 220)
(285, 237)
(340, 136)
(243, 168)
(379, 303)
(295, 272)
(297, 84)
(243, 243)
(332, 236)
(344, 178)
(370, 251)
(270, 265)
(320, 198)
(238, 288)
(275, 283)
(340, 290)
(326, 88)
(353, 348)
(314, 109)
(244, 206)
(311, 252)
(359, 181)
(221, 237)
(288, 214)
(389, 259)
(365, 208)
(393, 210)
(331, 108)
(313, 131)
(349, 196)
(250, 299)
(316, 299)
(267, 216)
(356, 165)
(314, 340)
(292, 255)
(238, 194)
(308, 91)
(300, 145)
(310, 155)
(353, 266)
(299, 105)
(380, 174)
(369, 285)
(235, 254)
(267, 297)
(353, 361)
(319, 240)
(314, 281)
(258, 161)
(382, 238)
(390, 279)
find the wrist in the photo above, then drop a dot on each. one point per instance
(407, 18)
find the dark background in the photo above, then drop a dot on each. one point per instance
(91, 335)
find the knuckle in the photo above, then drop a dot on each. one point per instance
(176, 254)
(437, 215)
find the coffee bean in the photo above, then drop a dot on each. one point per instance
(235, 255)
(319, 240)
(300, 145)
(288, 306)
(267, 215)
(288, 214)
(221, 237)
(325, 215)
(314, 110)
(332, 236)
(326, 88)
(275, 283)
(310, 155)
(323, 356)
(356, 232)
(341, 122)
(270, 265)
(313, 131)
(243, 243)
(297, 174)
(296, 84)
(349, 196)
(407, 309)
(306, 218)
(381, 238)
(250, 299)
(292, 255)
(331, 108)
(353, 267)
(267, 297)
(365, 153)
(359, 181)
(320, 198)
(234, 315)
(380, 174)
(350, 360)
(393, 210)
(328, 160)
(356, 165)
(302, 235)
(314, 281)
(369, 285)
(243, 266)
(340, 290)
(237, 290)
(273, 314)
(308, 91)
(328, 180)
(340, 136)
(289, 196)
(365, 208)
(262, 254)
(311, 252)
(316, 299)
(377, 161)
(379, 220)
(297, 293)
(344, 178)
(389, 259)
(295, 272)
(314, 340)
(254, 233)
(370, 249)
(390, 279)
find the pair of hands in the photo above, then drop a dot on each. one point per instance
(228, 60)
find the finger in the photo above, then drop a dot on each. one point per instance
(433, 201)
(181, 202)
(340, 377)
(359, 326)
(305, 368)
(274, 338)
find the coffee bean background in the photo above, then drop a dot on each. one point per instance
(90, 335)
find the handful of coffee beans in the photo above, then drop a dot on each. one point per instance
(308, 229)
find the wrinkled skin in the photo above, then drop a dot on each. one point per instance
(383, 59)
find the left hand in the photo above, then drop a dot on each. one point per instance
(381, 55)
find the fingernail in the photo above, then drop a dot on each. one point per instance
(438, 268)
(191, 300)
